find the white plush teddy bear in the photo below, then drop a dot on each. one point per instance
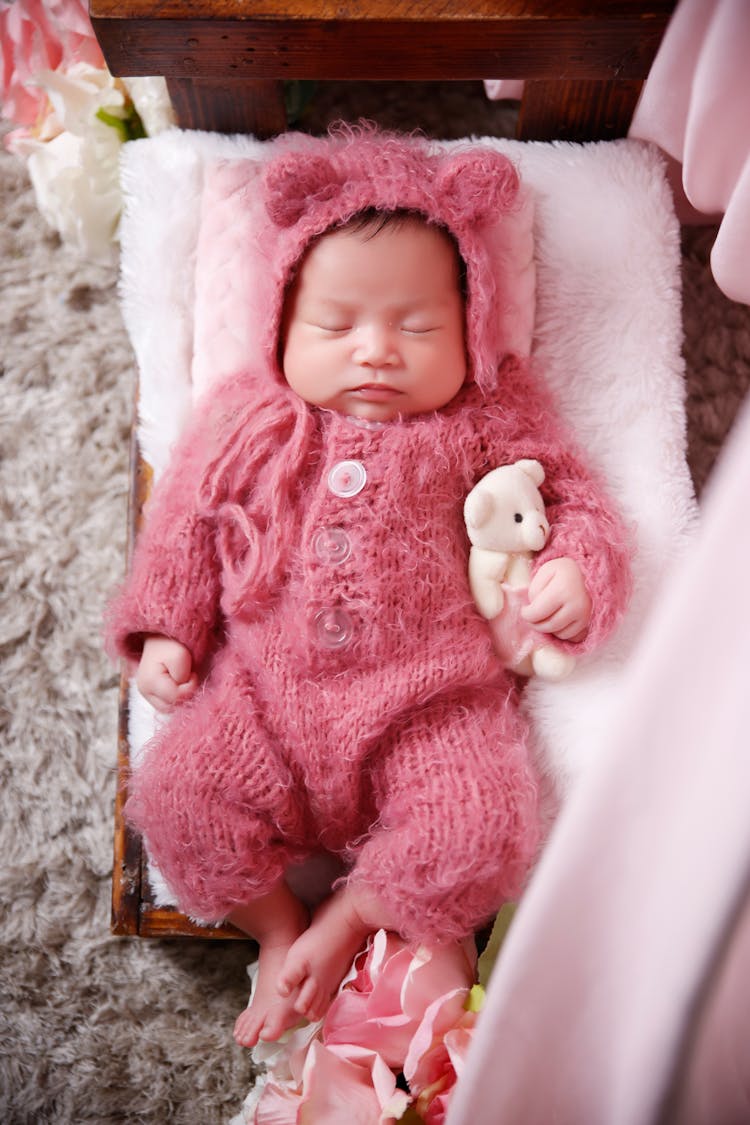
(506, 522)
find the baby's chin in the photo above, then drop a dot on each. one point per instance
(374, 409)
(369, 412)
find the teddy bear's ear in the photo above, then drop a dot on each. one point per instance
(532, 469)
(478, 508)
(477, 186)
(295, 181)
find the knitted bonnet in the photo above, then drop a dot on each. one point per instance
(323, 182)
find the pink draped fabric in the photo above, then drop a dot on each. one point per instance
(696, 106)
(622, 994)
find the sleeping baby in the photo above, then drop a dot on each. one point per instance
(299, 601)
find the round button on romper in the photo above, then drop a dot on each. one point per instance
(347, 478)
(332, 545)
(334, 625)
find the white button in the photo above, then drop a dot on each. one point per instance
(332, 545)
(347, 478)
(334, 628)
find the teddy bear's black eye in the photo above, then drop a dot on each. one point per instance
(518, 517)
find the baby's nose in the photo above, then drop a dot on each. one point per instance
(375, 345)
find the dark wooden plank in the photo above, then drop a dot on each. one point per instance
(126, 871)
(373, 10)
(576, 111)
(163, 922)
(231, 106)
(252, 50)
(126, 874)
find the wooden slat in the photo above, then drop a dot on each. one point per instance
(164, 922)
(370, 11)
(127, 867)
(579, 110)
(427, 50)
(231, 106)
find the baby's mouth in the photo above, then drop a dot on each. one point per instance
(376, 391)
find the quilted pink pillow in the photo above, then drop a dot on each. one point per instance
(229, 267)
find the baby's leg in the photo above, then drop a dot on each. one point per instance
(276, 921)
(217, 803)
(221, 814)
(321, 957)
(458, 825)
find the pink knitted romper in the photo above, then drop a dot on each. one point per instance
(316, 567)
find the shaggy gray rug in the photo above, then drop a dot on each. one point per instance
(95, 1028)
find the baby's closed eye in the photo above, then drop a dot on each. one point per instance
(334, 327)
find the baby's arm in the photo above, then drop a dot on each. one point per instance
(165, 673)
(586, 528)
(559, 602)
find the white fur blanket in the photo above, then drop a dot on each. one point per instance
(607, 336)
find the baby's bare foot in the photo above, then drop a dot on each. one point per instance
(268, 1015)
(320, 958)
(275, 920)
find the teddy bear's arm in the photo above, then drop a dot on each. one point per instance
(487, 570)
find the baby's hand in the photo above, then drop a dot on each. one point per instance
(165, 674)
(559, 602)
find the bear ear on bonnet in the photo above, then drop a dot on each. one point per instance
(296, 180)
(476, 187)
(463, 189)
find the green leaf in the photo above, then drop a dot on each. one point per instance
(128, 127)
(497, 937)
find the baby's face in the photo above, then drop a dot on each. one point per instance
(375, 324)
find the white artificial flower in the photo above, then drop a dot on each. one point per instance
(151, 100)
(77, 188)
(78, 94)
(73, 160)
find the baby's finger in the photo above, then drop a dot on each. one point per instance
(541, 580)
(157, 701)
(556, 622)
(575, 631)
(179, 666)
(542, 606)
(184, 691)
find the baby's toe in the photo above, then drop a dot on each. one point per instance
(292, 975)
(312, 1001)
(279, 1019)
(247, 1029)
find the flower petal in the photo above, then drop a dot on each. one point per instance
(277, 1105)
(338, 1091)
(445, 1013)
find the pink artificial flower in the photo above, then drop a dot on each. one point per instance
(355, 1090)
(382, 1006)
(36, 36)
(358, 1089)
(402, 1007)
(278, 1105)
(438, 1051)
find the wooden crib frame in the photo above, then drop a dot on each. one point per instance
(225, 62)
